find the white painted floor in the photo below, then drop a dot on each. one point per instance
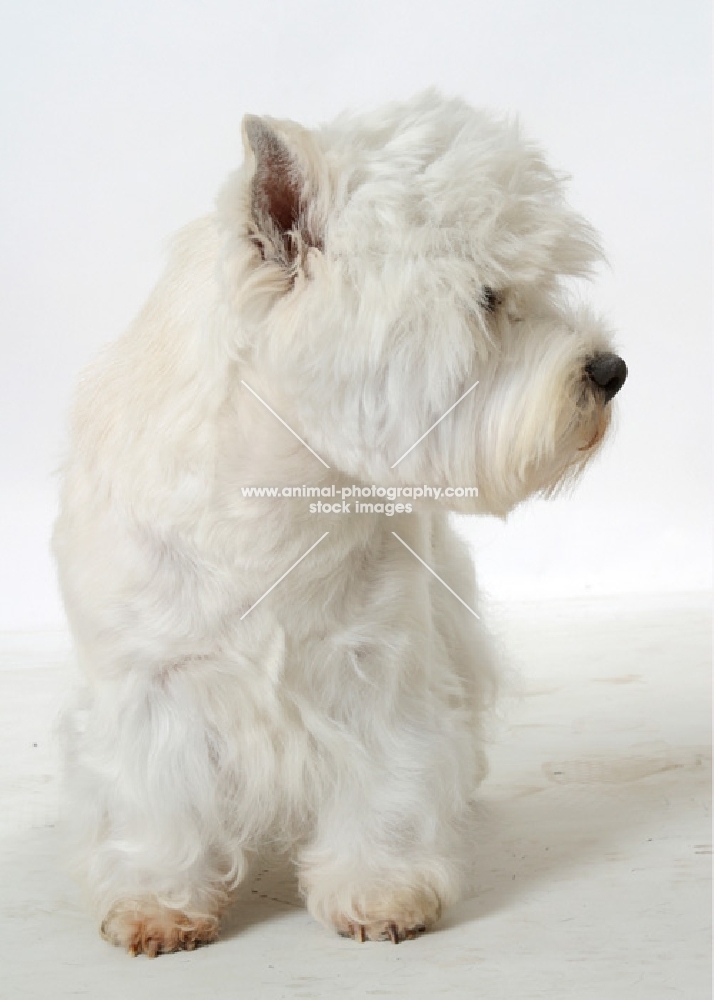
(591, 857)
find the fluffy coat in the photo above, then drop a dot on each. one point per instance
(359, 278)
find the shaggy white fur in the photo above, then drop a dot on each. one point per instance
(359, 279)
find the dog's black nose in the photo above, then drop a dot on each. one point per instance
(608, 372)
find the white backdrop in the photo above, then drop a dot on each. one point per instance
(120, 120)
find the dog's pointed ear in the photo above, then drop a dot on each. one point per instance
(280, 190)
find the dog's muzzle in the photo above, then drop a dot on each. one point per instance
(608, 373)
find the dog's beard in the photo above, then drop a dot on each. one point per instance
(537, 441)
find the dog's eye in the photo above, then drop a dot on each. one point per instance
(490, 300)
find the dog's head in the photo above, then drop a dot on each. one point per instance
(383, 265)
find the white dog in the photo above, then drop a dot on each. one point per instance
(246, 686)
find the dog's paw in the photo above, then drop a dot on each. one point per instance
(395, 918)
(150, 929)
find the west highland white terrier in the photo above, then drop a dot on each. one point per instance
(377, 308)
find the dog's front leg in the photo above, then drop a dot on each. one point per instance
(150, 810)
(384, 861)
